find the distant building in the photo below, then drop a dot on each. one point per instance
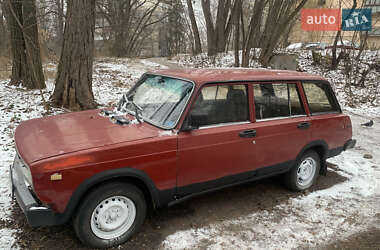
(373, 41)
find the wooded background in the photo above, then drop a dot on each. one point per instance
(72, 32)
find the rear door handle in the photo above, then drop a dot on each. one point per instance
(303, 125)
(248, 134)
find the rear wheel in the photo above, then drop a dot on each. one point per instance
(110, 215)
(304, 174)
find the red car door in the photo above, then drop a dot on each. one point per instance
(212, 155)
(282, 126)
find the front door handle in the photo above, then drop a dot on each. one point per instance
(303, 125)
(248, 134)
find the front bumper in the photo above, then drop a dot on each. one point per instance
(36, 214)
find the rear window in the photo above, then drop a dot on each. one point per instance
(274, 100)
(320, 97)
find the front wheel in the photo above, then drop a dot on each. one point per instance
(304, 174)
(110, 215)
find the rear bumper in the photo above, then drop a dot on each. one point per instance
(337, 151)
(349, 144)
(36, 214)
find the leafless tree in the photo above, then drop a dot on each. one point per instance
(217, 31)
(237, 12)
(3, 29)
(59, 23)
(335, 59)
(73, 85)
(252, 37)
(173, 29)
(128, 22)
(25, 48)
(269, 21)
(194, 28)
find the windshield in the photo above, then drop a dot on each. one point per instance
(161, 99)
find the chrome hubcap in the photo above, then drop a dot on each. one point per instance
(113, 217)
(306, 171)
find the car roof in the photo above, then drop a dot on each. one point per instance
(201, 76)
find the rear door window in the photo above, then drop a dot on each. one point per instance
(320, 97)
(277, 100)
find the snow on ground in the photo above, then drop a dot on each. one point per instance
(16, 104)
(310, 220)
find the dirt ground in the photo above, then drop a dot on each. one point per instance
(226, 204)
(364, 241)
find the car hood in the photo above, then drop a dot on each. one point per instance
(46, 137)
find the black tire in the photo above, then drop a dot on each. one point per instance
(83, 218)
(292, 179)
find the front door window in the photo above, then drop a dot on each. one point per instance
(219, 104)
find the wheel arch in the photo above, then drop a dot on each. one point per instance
(321, 148)
(130, 175)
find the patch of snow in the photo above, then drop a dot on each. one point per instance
(294, 46)
(152, 65)
(135, 121)
(7, 240)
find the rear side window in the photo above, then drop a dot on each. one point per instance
(221, 104)
(273, 100)
(320, 97)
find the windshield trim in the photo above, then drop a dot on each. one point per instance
(184, 108)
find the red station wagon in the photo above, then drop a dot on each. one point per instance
(174, 135)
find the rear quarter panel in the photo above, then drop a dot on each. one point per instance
(334, 129)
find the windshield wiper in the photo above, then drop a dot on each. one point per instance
(122, 106)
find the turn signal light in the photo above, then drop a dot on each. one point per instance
(56, 177)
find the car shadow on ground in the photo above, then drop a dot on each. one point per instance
(227, 204)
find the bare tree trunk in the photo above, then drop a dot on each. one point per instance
(73, 86)
(224, 7)
(336, 59)
(2, 27)
(121, 26)
(119, 48)
(26, 58)
(211, 38)
(59, 21)
(237, 13)
(194, 27)
(285, 13)
(253, 28)
(363, 44)
(218, 34)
